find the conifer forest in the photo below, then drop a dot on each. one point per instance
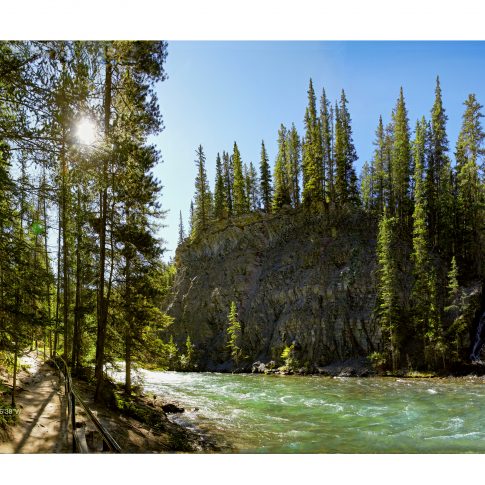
(307, 257)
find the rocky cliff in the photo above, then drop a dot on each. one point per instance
(295, 277)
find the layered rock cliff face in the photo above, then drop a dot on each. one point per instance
(295, 277)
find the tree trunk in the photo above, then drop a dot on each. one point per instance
(65, 261)
(49, 316)
(14, 380)
(102, 306)
(58, 287)
(128, 360)
(128, 319)
(76, 340)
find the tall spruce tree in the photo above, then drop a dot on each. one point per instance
(387, 293)
(228, 175)
(220, 196)
(181, 230)
(420, 256)
(345, 156)
(312, 162)
(281, 194)
(367, 187)
(252, 188)
(469, 188)
(439, 181)
(294, 164)
(326, 124)
(401, 165)
(202, 196)
(266, 189)
(379, 172)
(238, 189)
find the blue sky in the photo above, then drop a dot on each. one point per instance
(221, 92)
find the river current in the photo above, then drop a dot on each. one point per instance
(286, 414)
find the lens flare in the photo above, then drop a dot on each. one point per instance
(86, 131)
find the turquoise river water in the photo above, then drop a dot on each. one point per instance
(286, 414)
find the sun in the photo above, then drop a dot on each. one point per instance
(86, 131)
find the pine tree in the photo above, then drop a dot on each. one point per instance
(220, 196)
(294, 162)
(281, 194)
(181, 230)
(439, 181)
(459, 326)
(345, 156)
(387, 309)
(202, 196)
(470, 197)
(191, 218)
(312, 162)
(401, 165)
(378, 169)
(228, 175)
(266, 189)
(239, 195)
(331, 172)
(252, 188)
(420, 256)
(234, 334)
(367, 187)
(326, 124)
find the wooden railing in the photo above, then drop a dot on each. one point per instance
(79, 444)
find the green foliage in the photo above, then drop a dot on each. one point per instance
(378, 361)
(240, 203)
(234, 334)
(220, 196)
(172, 352)
(252, 187)
(379, 172)
(401, 163)
(312, 161)
(187, 358)
(266, 188)
(387, 307)
(202, 198)
(181, 230)
(470, 191)
(288, 356)
(326, 123)
(457, 311)
(281, 194)
(345, 156)
(293, 150)
(366, 187)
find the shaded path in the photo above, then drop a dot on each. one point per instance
(42, 423)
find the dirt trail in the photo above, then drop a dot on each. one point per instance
(42, 423)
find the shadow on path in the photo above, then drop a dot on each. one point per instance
(42, 423)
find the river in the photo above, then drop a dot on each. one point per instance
(286, 414)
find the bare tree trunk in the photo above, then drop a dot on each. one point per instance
(76, 340)
(128, 360)
(128, 319)
(102, 304)
(58, 287)
(14, 381)
(65, 261)
(49, 316)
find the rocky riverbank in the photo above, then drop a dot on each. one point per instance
(141, 422)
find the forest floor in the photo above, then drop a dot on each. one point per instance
(42, 422)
